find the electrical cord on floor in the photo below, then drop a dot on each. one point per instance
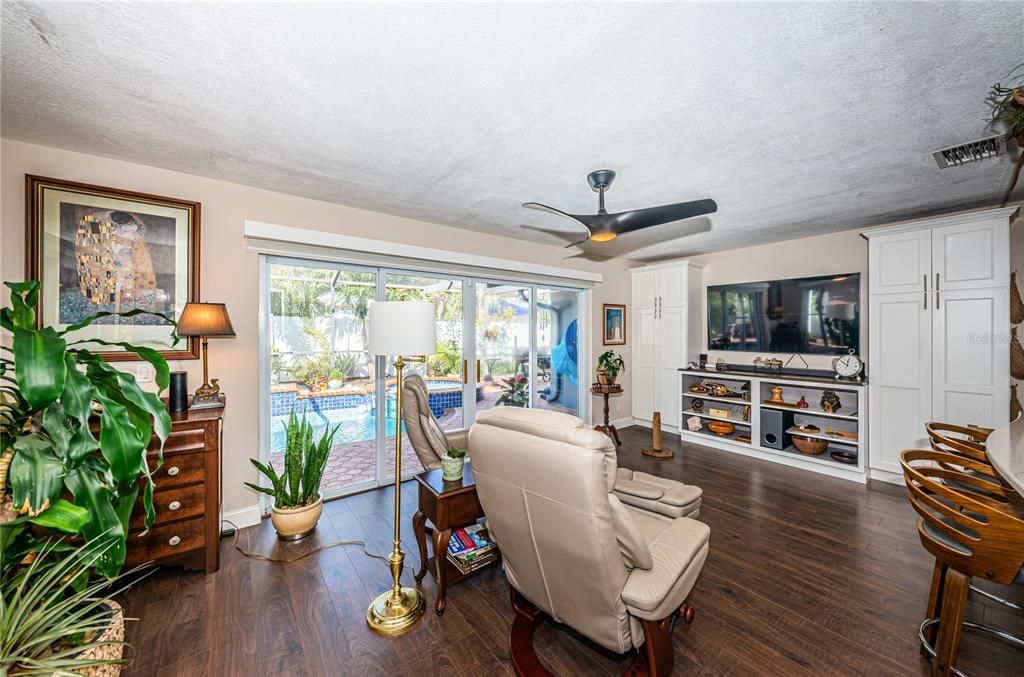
(265, 558)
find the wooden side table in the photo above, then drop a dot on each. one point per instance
(606, 390)
(448, 506)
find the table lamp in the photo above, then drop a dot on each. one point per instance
(205, 320)
(406, 331)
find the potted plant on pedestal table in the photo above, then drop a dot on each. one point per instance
(609, 364)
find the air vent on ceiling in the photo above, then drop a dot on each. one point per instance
(973, 151)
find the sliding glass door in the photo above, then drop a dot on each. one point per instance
(320, 367)
(503, 344)
(557, 331)
(443, 371)
(499, 343)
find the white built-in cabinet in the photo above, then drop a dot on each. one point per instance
(666, 335)
(938, 329)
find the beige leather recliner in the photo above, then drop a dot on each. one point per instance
(422, 430)
(616, 573)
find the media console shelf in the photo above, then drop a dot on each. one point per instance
(770, 427)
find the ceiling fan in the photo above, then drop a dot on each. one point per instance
(605, 227)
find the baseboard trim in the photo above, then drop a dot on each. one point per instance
(886, 476)
(624, 422)
(246, 517)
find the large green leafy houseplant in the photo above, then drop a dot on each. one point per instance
(51, 390)
(304, 462)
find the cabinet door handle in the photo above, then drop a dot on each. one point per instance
(174, 505)
(936, 283)
(925, 276)
(938, 303)
(926, 300)
(173, 470)
(174, 540)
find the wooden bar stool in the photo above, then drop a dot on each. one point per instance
(970, 533)
(969, 442)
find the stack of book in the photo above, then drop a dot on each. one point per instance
(471, 548)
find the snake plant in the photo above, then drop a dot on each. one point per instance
(304, 463)
(53, 392)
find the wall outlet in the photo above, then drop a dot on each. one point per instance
(144, 373)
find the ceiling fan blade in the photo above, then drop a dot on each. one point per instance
(551, 210)
(562, 235)
(627, 222)
(575, 244)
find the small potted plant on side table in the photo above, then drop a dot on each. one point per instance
(296, 492)
(452, 464)
(609, 364)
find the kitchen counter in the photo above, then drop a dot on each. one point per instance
(1005, 447)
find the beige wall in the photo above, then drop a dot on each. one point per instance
(1017, 263)
(845, 252)
(229, 272)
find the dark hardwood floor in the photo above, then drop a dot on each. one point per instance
(807, 575)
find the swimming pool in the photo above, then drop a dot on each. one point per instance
(358, 423)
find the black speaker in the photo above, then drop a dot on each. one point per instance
(177, 399)
(774, 424)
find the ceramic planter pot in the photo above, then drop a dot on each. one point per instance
(602, 377)
(335, 384)
(292, 524)
(451, 468)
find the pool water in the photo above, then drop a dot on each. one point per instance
(357, 424)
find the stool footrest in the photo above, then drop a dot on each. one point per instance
(996, 632)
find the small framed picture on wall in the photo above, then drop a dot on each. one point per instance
(96, 249)
(614, 325)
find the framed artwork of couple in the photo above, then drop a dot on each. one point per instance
(99, 249)
(614, 333)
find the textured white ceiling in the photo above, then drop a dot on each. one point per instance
(797, 118)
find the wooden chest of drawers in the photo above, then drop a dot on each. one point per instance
(186, 498)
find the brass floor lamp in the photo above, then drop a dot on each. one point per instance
(406, 331)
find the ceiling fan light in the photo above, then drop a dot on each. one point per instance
(603, 237)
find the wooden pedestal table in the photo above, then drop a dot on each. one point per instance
(448, 506)
(606, 390)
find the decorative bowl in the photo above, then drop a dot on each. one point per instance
(722, 428)
(809, 446)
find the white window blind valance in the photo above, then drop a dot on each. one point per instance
(268, 238)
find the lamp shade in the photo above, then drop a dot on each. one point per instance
(402, 328)
(205, 319)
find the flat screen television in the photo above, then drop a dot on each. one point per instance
(811, 315)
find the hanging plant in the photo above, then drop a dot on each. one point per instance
(1007, 104)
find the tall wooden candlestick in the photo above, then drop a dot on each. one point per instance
(656, 451)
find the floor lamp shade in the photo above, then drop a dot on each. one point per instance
(402, 328)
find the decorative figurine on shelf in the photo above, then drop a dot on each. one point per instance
(720, 365)
(830, 402)
(803, 404)
(694, 424)
(746, 414)
(698, 405)
(656, 451)
(776, 397)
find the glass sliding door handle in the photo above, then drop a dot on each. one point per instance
(465, 371)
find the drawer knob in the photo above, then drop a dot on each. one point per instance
(174, 505)
(173, 470)
(175, 540)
